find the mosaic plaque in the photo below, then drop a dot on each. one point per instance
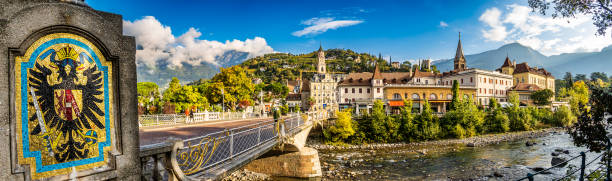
(64, 120)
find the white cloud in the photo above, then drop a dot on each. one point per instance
(548, 35)
(443, 24)
(320, 25)
(156, 43)
(497, 31)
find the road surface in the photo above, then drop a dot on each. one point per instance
(160, 134)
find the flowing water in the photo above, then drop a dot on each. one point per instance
(510, 160)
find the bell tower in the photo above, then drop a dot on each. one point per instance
(321, 67)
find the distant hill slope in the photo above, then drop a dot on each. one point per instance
(577, 63)
(162, 74)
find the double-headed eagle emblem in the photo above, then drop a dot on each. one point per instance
(67, 95)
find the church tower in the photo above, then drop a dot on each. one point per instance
(459, 58)
(321, 68)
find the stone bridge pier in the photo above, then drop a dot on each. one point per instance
(290, 159)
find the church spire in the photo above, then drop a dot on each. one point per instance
(459, 58)
(320, 47)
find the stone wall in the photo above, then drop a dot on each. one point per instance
(303, 164)
(26, 26)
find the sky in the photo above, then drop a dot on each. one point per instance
(196, 31)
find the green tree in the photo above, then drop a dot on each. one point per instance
(542, 97)
(496, 121)
(149, 97)
(342, 129)
(278, 90)
(568, 80)
(520, 118)
(590, 129)
(427, 126)
(580, 77)
(465, 121)
(600, 10)
(456, 98)
(599, 75)
(407, 127)
(563, 117)
(236, 86)
(579, 96)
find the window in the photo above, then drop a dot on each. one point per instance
(360, 90)
(433, 97)
(485, 80)
(485, 91)
(449, 96)
(415, 96)
(426, 81)
(471, 79)
(479, 90)
(345, 90)
(368, 90)
(377, 90)
(461, 81)
(405, 95)
(353, 90)
(397, 96)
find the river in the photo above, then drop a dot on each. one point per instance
(502, 161)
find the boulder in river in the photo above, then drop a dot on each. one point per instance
(472, 144)
(559, 161)
(554, 153)
(530, 143)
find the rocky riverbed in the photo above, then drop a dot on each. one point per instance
(507, 156)
(439, 160)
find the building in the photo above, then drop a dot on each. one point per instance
(395, 65)
(488, 84)
(527, 80)
(321, 88)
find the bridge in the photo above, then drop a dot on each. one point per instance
(214, 155)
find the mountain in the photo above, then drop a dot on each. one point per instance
(577, 63)
(162, 73)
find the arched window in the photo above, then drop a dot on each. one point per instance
(397, 96)
(415, 96)
(433, 97)
(449, 96)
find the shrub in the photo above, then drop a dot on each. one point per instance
(342, 129)
(563, 117)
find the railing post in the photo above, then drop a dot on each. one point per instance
(608, 162)
(582, 166)
(259, 133)
(231, 143)
(174, 118)
(157, 120)
(530, 176)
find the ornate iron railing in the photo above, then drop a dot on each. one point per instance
(193, 157)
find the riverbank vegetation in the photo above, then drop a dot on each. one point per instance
(463, 120)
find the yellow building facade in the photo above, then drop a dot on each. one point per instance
(439, 96)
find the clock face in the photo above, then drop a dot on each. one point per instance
(64, 106)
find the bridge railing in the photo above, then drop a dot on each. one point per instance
(602, 168)
(172, 119)
(192, 157)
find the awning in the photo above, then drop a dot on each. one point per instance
(396, 103)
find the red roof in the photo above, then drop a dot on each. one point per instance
(526, 87)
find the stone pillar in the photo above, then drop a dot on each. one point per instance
(93, 41)
(301, 164)
(443, 107)
(421, 107)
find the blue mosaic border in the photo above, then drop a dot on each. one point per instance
(24, 109)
